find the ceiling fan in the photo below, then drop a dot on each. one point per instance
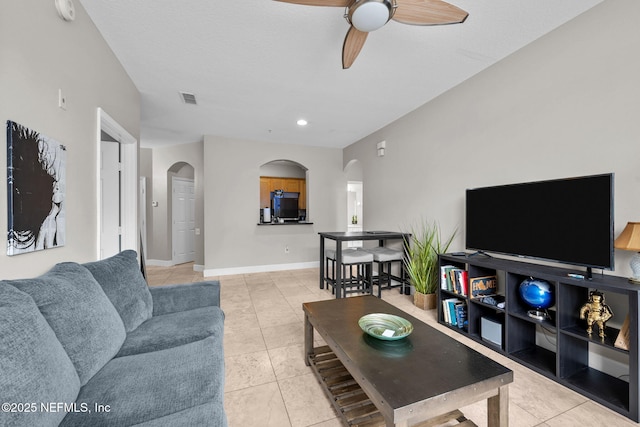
(365, 16)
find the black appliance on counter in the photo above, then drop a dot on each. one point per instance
(284, 205)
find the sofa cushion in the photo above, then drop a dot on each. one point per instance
(143, 387)
(122, 281)
(172, 330)
(175, 298)
(80, 314)
(34, 367)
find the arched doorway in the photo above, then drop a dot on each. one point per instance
(355, 213)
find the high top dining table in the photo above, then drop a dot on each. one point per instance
(345, 236)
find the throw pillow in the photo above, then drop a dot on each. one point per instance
(122, 281)
(34, 367)
(80, 314)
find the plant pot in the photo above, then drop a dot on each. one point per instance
(424, 301)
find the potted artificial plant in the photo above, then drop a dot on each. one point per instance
(422, 263)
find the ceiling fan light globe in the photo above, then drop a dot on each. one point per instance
(370, 15)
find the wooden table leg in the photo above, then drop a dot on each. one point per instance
(498, 408)
(308, 339)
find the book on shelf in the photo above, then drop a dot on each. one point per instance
(481, 286)
(463, 280)
(445, 311)
(444, 276)
(461, 315)
(454, 279)
(454, 312)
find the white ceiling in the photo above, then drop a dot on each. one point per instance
(256, 66)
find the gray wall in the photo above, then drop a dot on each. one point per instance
(39, 54)
(566, 105)
(282, 170)
(231, 193)
(166, 159)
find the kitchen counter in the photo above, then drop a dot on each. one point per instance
(286, 223)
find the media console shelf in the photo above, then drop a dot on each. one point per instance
(558, 347)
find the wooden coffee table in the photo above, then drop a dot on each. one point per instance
(425, 376)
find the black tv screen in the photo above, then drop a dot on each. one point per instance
(565, 220)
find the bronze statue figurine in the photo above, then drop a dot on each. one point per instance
(598, 312)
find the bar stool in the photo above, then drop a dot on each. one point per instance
(358, 283)
(385, 257)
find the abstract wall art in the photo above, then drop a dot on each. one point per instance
(36, 168)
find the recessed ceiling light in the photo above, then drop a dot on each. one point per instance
(302, 122)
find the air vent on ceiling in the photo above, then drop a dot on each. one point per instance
(188, 98)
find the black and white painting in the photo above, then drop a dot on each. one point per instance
(36, 167)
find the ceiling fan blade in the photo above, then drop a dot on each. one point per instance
(428, 12)
(353, 43)
(337, 3)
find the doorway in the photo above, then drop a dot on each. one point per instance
(355, 195)
(354, 210)
(117, 201)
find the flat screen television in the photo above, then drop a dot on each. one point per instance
(564, 220)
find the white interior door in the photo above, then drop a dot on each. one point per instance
(109, 198)
(183, 214)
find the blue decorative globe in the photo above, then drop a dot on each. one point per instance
(537, 293)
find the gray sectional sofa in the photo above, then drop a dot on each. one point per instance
(93, 345)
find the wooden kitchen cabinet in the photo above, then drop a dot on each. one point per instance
(269, 184)
(265, 189)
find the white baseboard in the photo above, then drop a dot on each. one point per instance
(159, 263)
(212, 272)
(164, 263)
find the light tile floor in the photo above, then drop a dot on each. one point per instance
(268, 385)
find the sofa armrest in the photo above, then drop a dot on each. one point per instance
(189, 296)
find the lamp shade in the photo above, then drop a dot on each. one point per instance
(369, 15)
(629, 239)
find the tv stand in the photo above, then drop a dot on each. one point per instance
(557, 346)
